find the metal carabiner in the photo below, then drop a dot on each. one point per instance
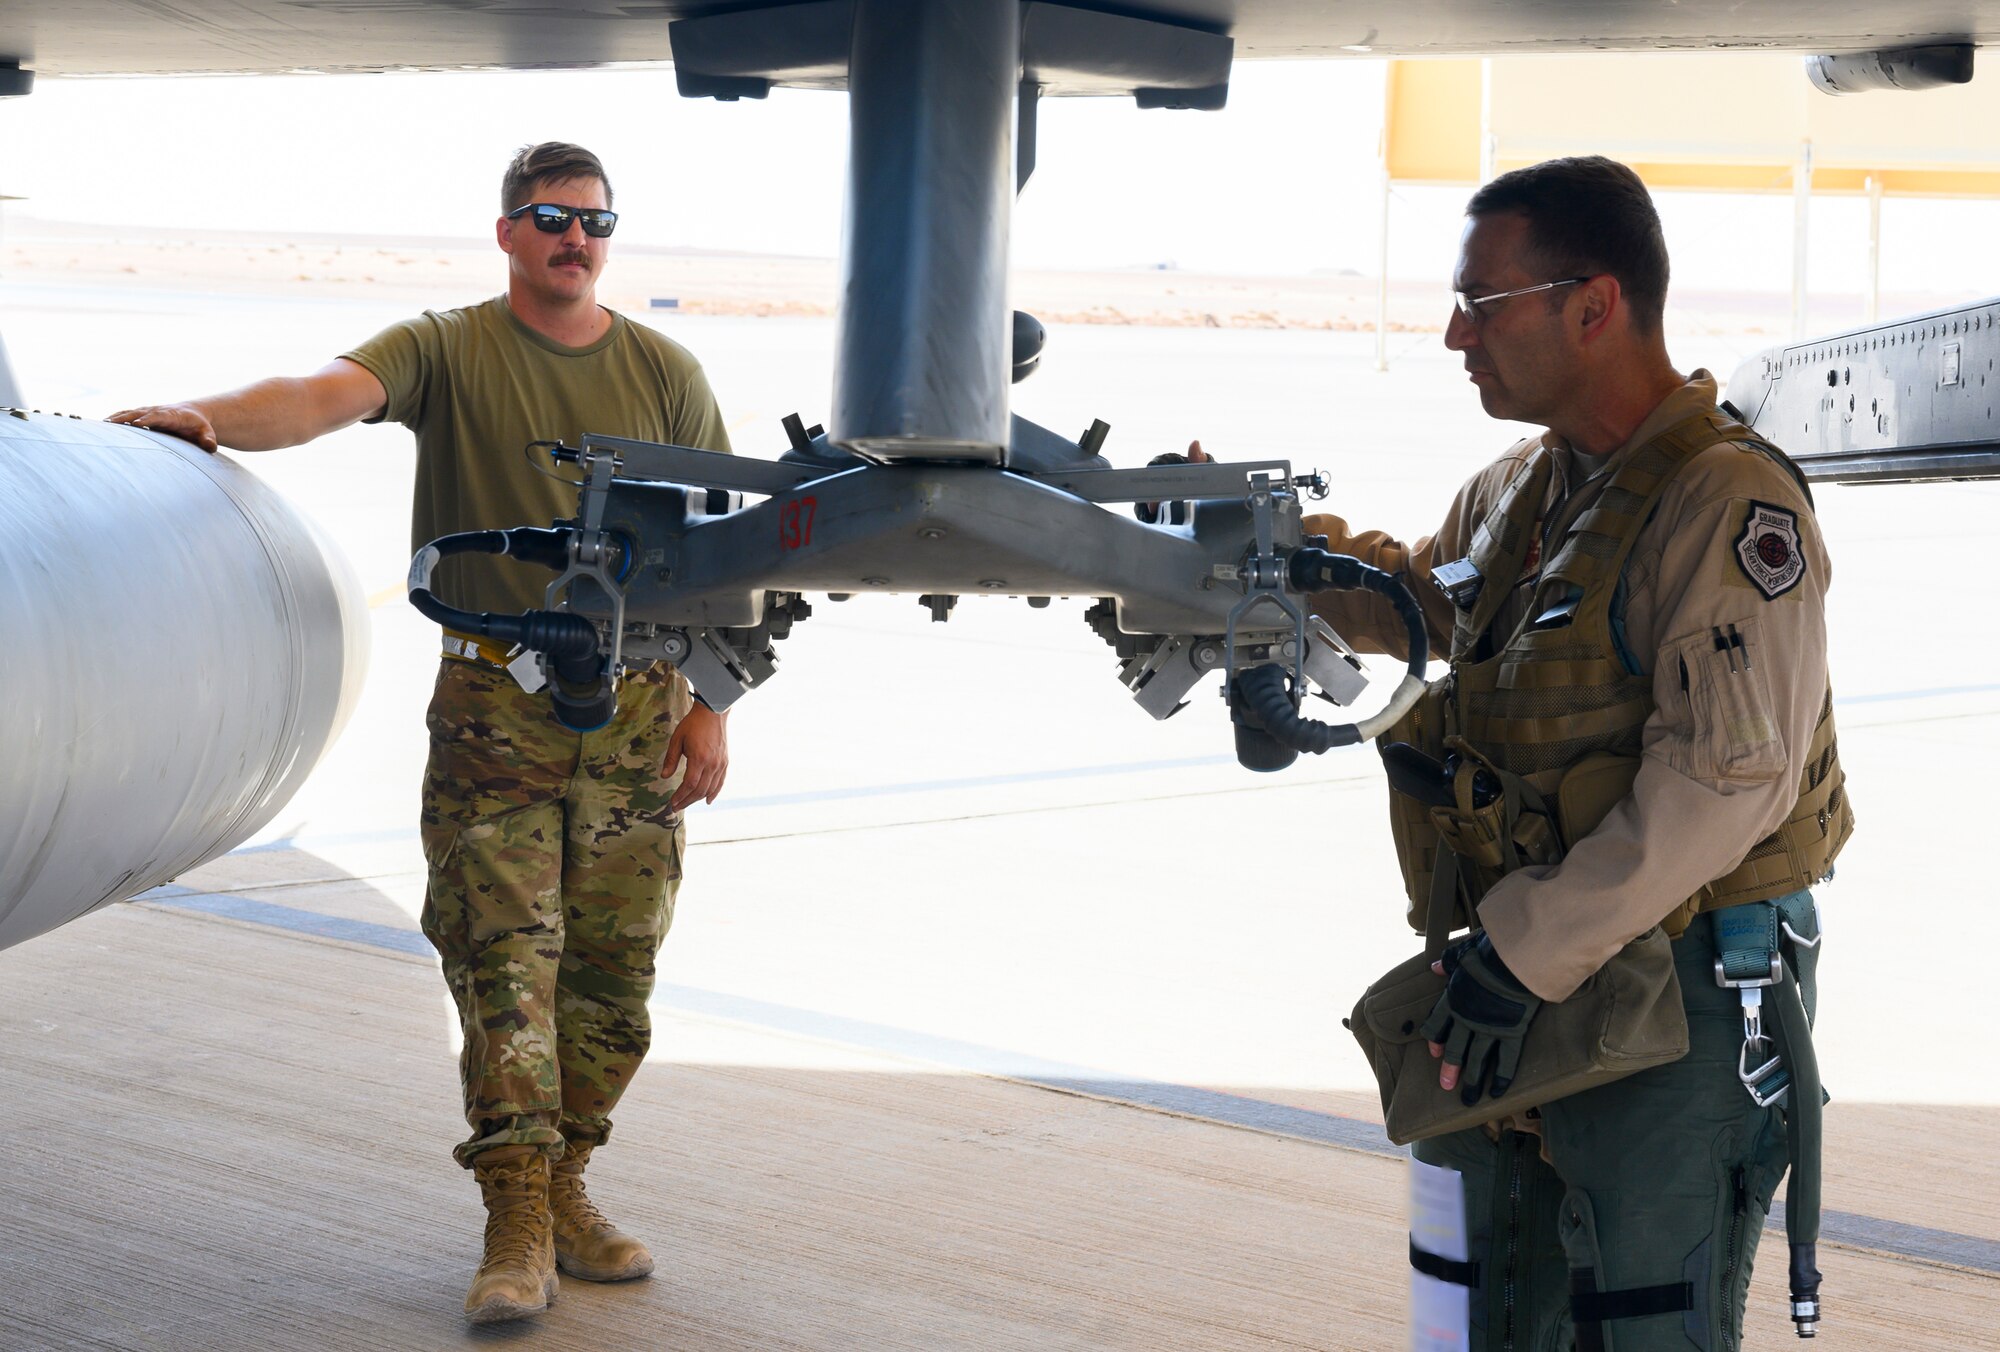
(1755, 1039)
(1754, 1080)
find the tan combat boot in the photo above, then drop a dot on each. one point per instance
(517, 1277)
(587, 1245)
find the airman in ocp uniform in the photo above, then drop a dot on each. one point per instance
(1641, 589)
(554, 855)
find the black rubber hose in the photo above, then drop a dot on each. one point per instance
(1803, 1129)
(1314, 570)
(1805, 1280)
(1263, 691)
(569, 640)
(1268, 697)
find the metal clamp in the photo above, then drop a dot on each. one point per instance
(591, 552)
(1263, 577)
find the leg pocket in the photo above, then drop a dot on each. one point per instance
(438, 837)
(1655, 1318)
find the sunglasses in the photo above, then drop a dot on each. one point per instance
(552, 219)
(1473, 307)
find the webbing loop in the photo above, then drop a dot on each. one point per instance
(1444, 1269)
(1588, 1305)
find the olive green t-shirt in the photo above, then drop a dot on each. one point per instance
(477, 385)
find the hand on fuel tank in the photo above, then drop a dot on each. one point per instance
(702, 742)
(1479, 1022)
(180, 420)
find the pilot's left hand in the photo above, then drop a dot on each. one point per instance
(702, 740)
(1479, 1021)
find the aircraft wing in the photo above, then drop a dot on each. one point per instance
(1908, 400)
(125, 37)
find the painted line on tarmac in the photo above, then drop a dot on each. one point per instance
(1935, 692)
(971, 782)
(250, 911)
(1893, 1239)
(1235, 1110)
(854, 792)
(844, 794)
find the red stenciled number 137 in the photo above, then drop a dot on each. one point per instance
(795, 523)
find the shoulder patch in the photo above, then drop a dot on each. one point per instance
(1768, 550)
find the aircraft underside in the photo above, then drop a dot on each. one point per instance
(99, 37)
(922, 481)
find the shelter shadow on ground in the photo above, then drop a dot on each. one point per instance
(234, 1135)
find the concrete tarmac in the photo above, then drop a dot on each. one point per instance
(995, 1014)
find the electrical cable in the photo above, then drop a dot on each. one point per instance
(533, 446)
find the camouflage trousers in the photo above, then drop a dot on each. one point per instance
(554, 861)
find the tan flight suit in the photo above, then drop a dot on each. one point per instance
(1661, 1179)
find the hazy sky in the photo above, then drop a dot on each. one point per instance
(1284, 180)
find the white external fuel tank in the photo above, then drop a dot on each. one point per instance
(178, 648)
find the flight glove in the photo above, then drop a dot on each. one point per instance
(1481, 1018)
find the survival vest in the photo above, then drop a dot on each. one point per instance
(1552, 713)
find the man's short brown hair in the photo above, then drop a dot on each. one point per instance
(1588, 215)
(549, 162)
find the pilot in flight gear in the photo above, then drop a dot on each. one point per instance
(1636, 596)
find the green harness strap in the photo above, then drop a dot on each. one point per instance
(1763, 944)
(1444, 902)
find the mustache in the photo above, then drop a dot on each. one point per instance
(578, 257)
